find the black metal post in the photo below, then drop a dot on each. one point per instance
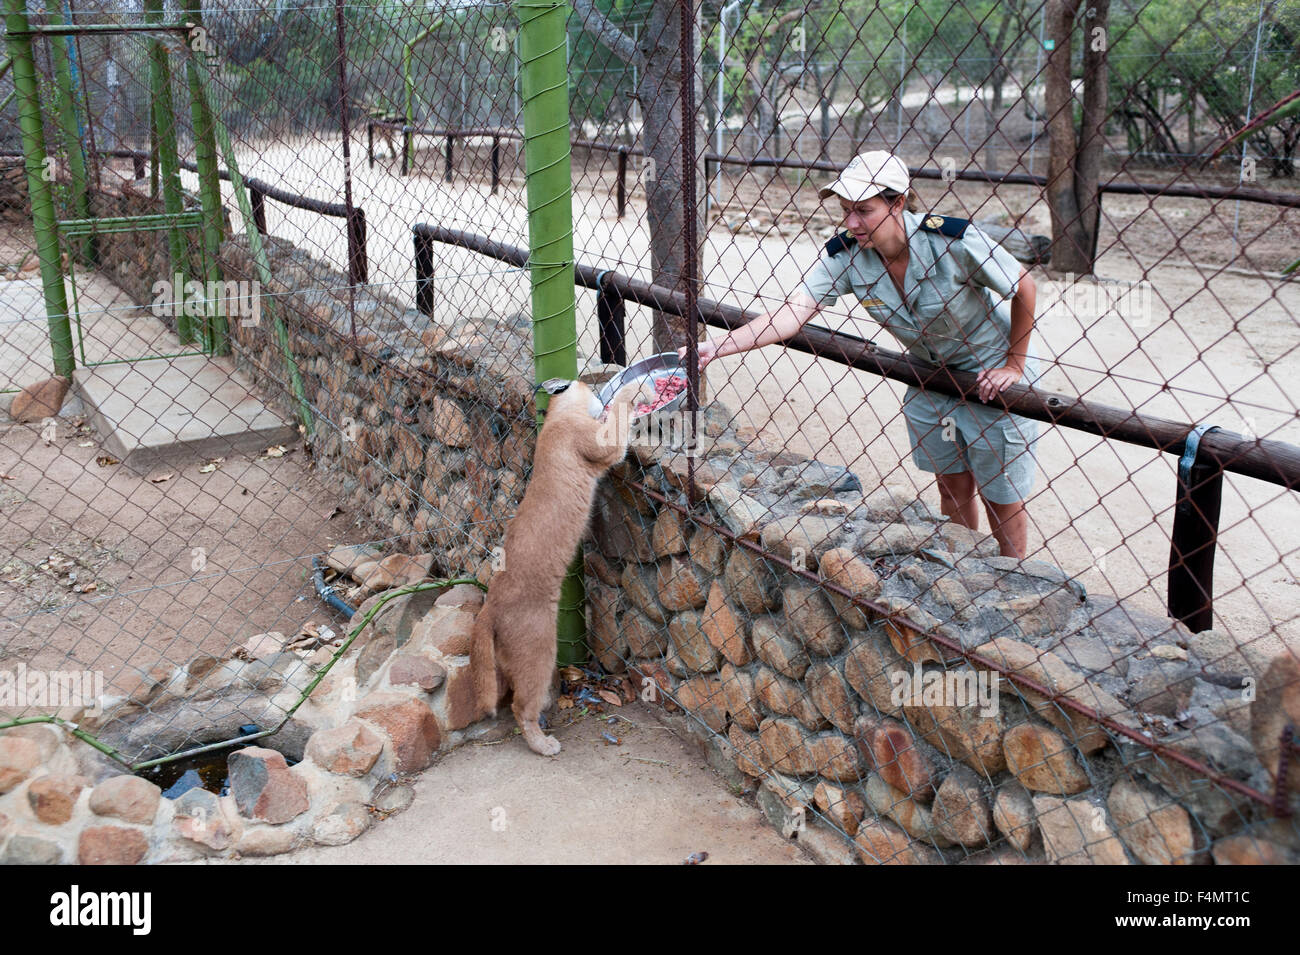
(358, 261)
(496, 164)
(259, 207)
(611, 315)
(447, 165)
(424, 273)
(1193, 543)
(370, 143)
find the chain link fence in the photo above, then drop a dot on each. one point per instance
(809, 570)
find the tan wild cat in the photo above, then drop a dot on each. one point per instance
(514, 640)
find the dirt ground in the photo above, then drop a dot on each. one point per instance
(255, 519)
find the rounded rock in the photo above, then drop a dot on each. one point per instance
(126, 797)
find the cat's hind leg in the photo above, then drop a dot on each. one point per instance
(531, 693)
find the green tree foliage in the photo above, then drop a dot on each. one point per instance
(600, 84)
(1168, 59)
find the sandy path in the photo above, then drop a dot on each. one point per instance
(650, 800)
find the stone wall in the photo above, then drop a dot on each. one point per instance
(380, 714)
(850, 722)
(13, 188)
(425, 430)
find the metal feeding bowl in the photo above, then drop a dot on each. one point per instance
(665, 365)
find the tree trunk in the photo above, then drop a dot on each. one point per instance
(1071, 246)
(990, 135)
(1093, 129)
(760, 116)
(657, 54)
(826, 97)
(666, 206)
(773, 147)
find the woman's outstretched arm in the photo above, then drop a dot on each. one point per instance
(774, 326)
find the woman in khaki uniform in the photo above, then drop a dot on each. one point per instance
(951, 296)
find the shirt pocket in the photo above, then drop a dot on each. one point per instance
(935, 316)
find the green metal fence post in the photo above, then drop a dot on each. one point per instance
(169, 165)
(44, 222)
(261, 261)
(548, 177)
(216, 332)
(408, 85)
(68, 127)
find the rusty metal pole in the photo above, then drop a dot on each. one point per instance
(690, 256)
(355, 230)
(622, 180)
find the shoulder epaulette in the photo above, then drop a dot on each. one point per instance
(951, 226)
(841, 242)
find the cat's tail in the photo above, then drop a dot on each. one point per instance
(483, 660)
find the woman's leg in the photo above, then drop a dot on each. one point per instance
(1003, 467)
(959, 499)
(1010, 527)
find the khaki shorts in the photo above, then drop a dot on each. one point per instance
(950, 436)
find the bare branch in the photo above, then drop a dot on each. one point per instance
(603, 29)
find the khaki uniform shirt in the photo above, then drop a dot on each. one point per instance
(958, 293)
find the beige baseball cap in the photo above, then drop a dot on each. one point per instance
(868, 175)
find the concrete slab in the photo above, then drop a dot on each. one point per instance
(112, 327)
(161, 410)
